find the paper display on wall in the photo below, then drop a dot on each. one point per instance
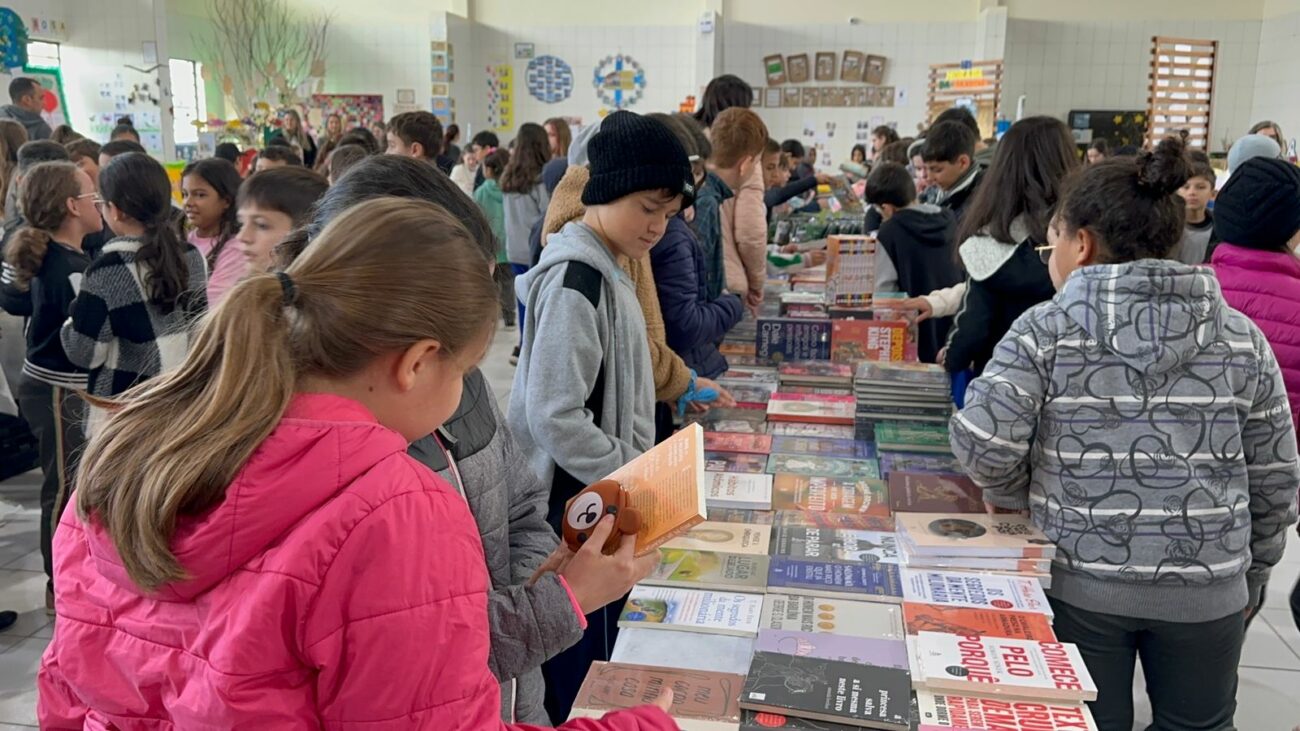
(501, 100)
(796, 68)
(825, 66)
(619, 81)
(774, 69)
(549, 79)
(851, 66)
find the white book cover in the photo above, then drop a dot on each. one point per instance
(939, 711)
(693, 610)
(736, 490)
(979, 591)
(996, 666)
(803, 613)
(709, 653)
(716, 536)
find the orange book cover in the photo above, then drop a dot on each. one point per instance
(970, 621)
(666, 486)
(830, 495)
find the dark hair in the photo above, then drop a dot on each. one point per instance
(886, 133)
(83, 147)
(723, 93)
(126, 130)
(890, 183)
(125, 120)
(450, 136)
(532, 150)
(380, 176)
(1024, 181)
(290, 190)
(120, 147)
(496, 162)
(486, 139)
(1131, 206)
(1101, 145)
(700, 145)
(225, 180)
(856, 149)
(894, 152)
(344, 157)
(961, 115)
(947, 141)
(793, 148)
(63, 134)
(138, 186)
(773, 147)
(38, 151)
(421, 127)
(1126, 151)
(21, 87)
(43, 201)
(361, 136)
(1201, 168)
(228, 151)
(281, 153)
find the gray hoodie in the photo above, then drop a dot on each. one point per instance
(1146, 427)
(37, 129)
(582, 322)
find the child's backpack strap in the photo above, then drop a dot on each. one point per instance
(588, 281)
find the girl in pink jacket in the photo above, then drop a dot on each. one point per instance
(252, 546)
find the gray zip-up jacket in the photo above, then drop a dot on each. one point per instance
(1146, 427)
(529, 623)
(522, 211)
(37, 127)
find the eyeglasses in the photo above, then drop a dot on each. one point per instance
(1044, 252)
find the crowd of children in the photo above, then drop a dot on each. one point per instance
(279, 484)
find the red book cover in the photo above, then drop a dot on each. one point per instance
(919, 492)
(857, 340)
(739, 443)
(813, 409)
(971, 621)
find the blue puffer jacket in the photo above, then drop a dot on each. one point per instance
(694, 324)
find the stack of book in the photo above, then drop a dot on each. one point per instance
(1008, 545)
(815, 374)
(910, 399)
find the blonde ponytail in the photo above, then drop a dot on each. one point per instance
(172, 445)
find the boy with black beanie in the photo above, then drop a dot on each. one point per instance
(583, 399)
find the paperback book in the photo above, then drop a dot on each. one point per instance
(751, 396)
(923, 376)
(836, 615)
(829, 495)
(793, 339)
(710, 653)
(766, 721)
(814, 466)
(828, 646)
(701, 700)
(924, 492)
(738, 491)
(751, 464)
(967, 621)
(734, 421)
(706, 569)
(850, 270)
(752, 540)
(841, 448)
(973, 535)
(812, 373)
(799, 429)
(874, 582)
(939, 464)
(811, 409)
(997, 666)
(835, 521)
(666, 486)
(973, 713)
(978, 591)
(835, 545)
(959, 563)
(739, 443)
(896, 437)
(853, 341)
(692, 610)
(740, 515)
(829, 690)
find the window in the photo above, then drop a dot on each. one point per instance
(43, 54)
(188, 100)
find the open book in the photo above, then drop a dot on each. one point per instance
(667, 487)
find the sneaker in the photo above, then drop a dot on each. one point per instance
(49, 602)
(7, 618)
(514, 356)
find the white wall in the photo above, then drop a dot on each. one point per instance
(1277, 87)
(1104, 65)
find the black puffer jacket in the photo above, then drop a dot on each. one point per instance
(694, 325)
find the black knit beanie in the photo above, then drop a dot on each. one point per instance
(632, 153)
(1259, 206)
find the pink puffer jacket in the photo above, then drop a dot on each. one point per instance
(339, 585)
(1265, 286)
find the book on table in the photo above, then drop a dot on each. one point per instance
(737, 442)
(815, 373)
(784, 339)
(853, 341)
(978, 591)
(801, 429)
(899, 437)
(832, 545)
(702, 701)
(915, 377)
(835, 521)
(837, 615)
(811, 408)
(709, 570)
(667, 486)
(766, 721)
(939, 712)
(924, 492)
(743, 491)
(811, 465)
(829, 646)
(686, 651)
(829, 690)
(839, 448)
(744, 538)
(969, 621)
(692, 610)
(750, 464)
(829, 495)
(977, 564)
(997, 666)
(866, 582)
(731, 420)
(747, 516)
(938, 464)
(972, 535)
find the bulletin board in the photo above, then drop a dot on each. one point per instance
(356, 110)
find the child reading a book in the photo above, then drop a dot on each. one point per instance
(357, 594)
(1145, 426)
(1198, 234)
(915, 248)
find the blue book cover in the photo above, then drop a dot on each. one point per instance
(872, 582)
(838, 448)
(785, 339)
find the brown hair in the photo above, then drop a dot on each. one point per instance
(44, 203)
(83, 147)
(12, 136)
(422, 127)
(563, 134)
(738, 133)
(172, 445)
(531, 152)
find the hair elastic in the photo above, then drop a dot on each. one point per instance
(290, 289)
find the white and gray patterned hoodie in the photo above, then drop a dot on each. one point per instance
(1146, 427)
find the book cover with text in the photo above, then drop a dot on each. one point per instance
(875, 582)
(968, 621)
(834, 545)
(737, 442)
(863, 496)
(743, 491)
(835, 521)
(940, 712)
(841, 448)
(998, 666)
(707, 569)
(828, 646)
(973, 534)
(814, 466)
(978, 591)
(666, 486)
(692, 610)
(829, 690)
(837, 615)
(698, 695)
(725, 537)
(924, 492)
(750, 464)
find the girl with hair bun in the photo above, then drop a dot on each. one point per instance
(1144, 425)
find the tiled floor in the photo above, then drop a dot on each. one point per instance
(1268, 698)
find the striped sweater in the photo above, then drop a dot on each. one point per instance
(116, 334)
(1145, 425)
